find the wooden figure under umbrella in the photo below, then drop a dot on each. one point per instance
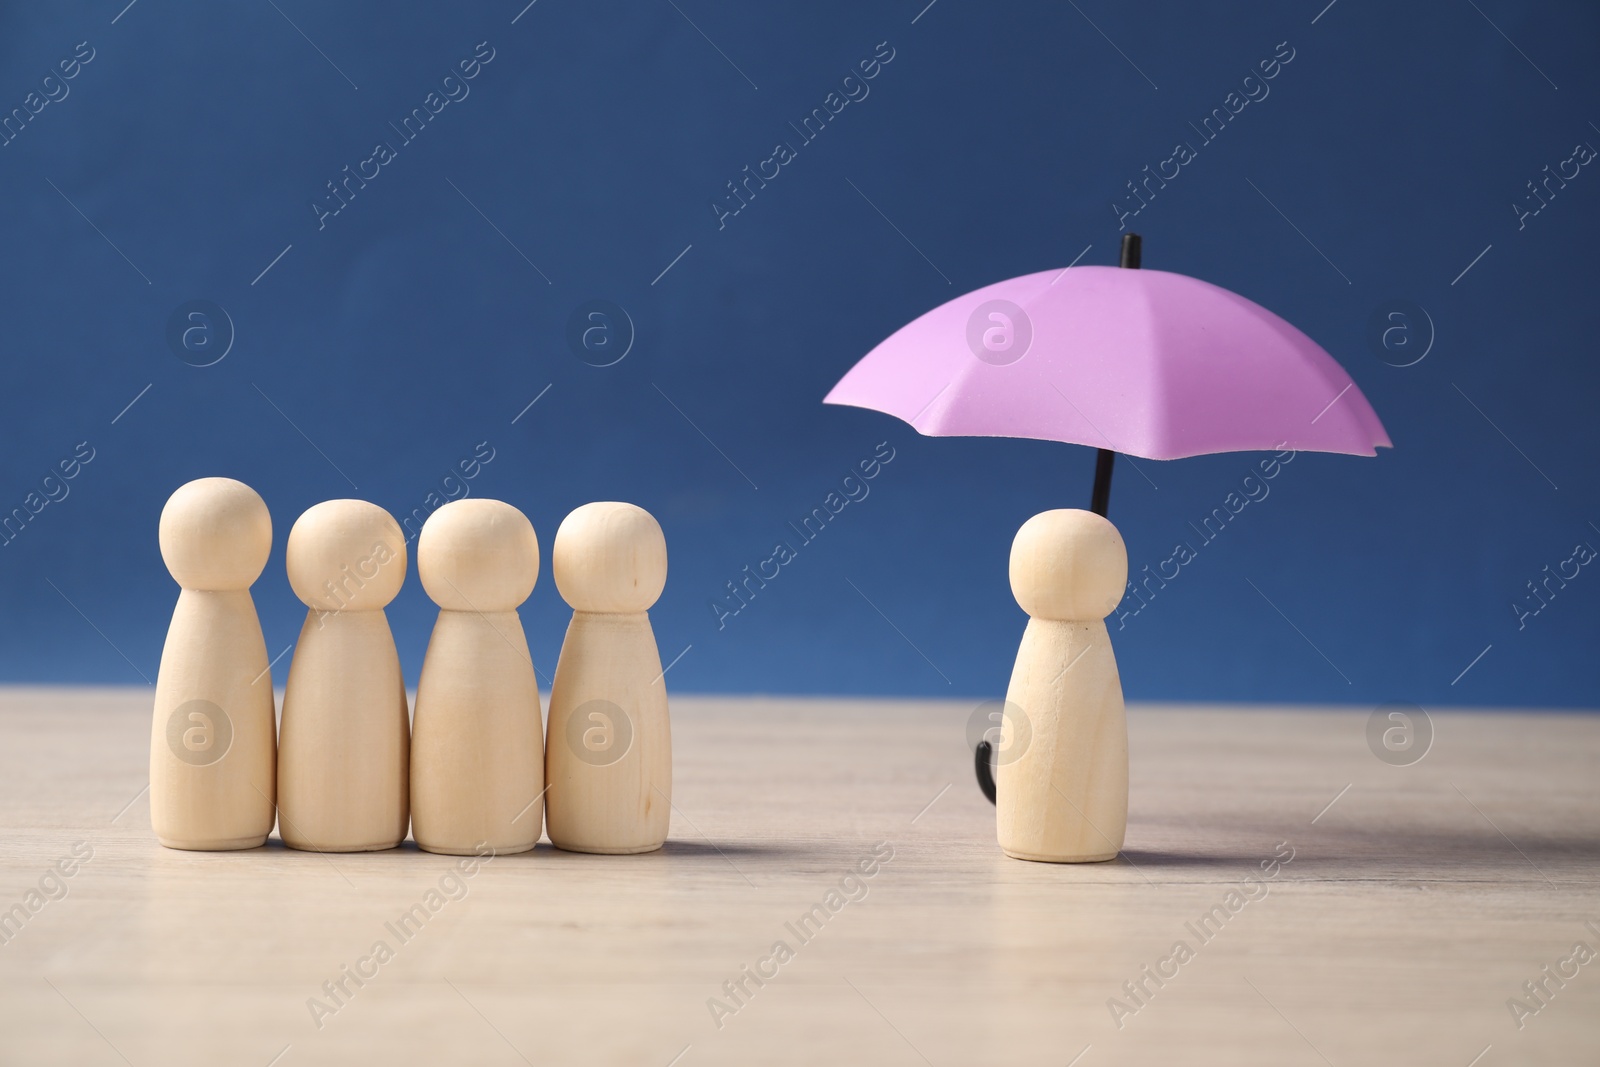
(1149, 363)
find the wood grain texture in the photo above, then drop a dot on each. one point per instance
(608, 752)
(213, 734)
(477, 747)
(1408, 913)
(344, 749)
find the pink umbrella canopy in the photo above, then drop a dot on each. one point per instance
(1146, 362)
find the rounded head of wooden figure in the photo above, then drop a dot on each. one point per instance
(215, 535)
(346, 555)
(478, 555)
(1068, 565)
(609, 557)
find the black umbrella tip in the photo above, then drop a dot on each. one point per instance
(1131, 250)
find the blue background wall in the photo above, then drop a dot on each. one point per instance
(390, 339)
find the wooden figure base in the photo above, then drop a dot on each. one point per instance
(236, 844)
(638, 850)
(381, 846)
(493, 850)
(1060, 859)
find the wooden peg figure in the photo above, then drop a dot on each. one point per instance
(608, 748)
(344, 753)
(213, 737)
(477, 743)
(1062, 782)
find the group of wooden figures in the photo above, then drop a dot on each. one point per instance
(475, 767)
(350, 770)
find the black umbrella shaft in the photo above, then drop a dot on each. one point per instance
(1102, 481)
(1105, 459)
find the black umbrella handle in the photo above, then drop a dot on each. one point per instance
(983, 766)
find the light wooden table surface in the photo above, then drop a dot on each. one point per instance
(1413, 908)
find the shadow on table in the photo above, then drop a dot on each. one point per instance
(1409, 853)
(703, 847)
(1157, 859)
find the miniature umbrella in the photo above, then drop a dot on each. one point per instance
(1146, 362)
